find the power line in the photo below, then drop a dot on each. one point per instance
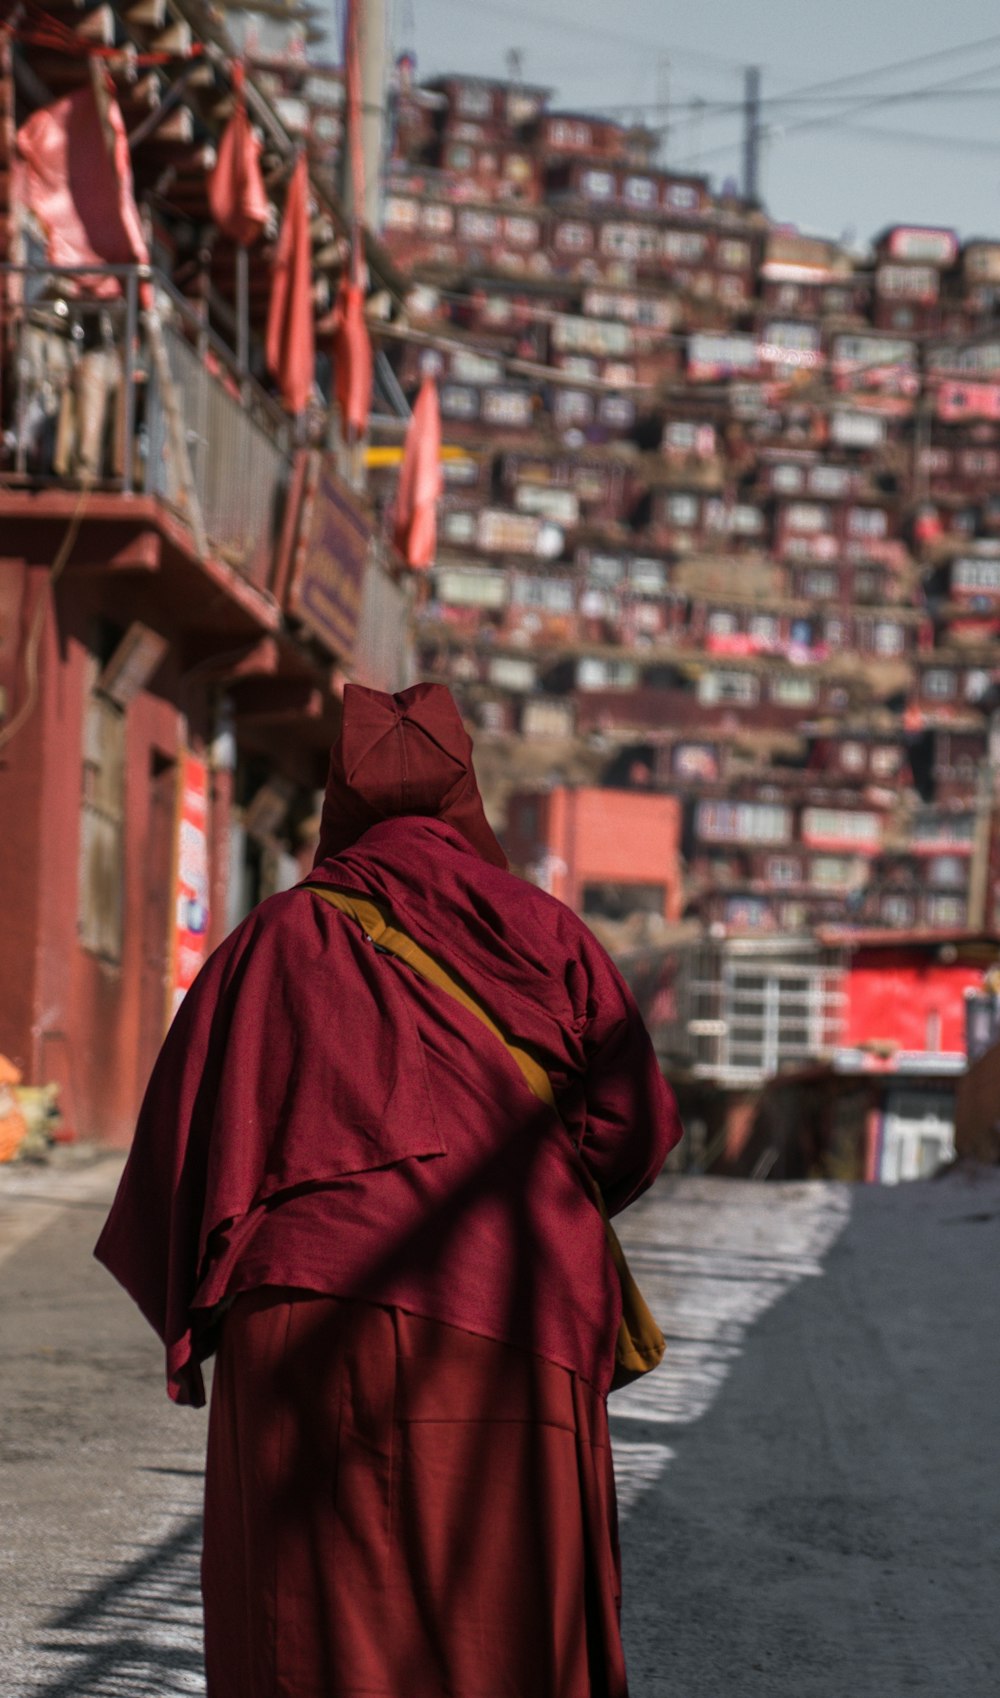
(856, 105)
(731, 108)
(564, 24)
(899, 65)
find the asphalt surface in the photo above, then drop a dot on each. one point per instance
(810, 1489)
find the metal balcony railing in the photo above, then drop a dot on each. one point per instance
(124, 387)
(740, 1011)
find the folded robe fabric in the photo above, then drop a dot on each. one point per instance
(344, 1550)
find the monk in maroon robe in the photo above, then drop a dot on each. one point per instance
(343, 1184)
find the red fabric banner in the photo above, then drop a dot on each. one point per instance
(236, 191)
(76, 177)
(290, 336)
(352, 357)
(415, 533)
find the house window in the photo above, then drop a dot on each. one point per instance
(571, 236)
(597, 185)
(458, 527)
(787, 480)
(684, 246)
(793, 690)
(852, 757)
(459, 402)
(819, 585)
(473, 102)
(867, 522)
(102, 833)
(564, 133)
(682, 510)
(889, 638)
(977, 682)
(832, 872)
(946, 910)
(647, 577)
(521, 232)
(886, 761)
(721, 623)
(808, 518)
(781, 869)
(830, 481)
(640, 191)
(764, 628)
(681, 197)
(506, 406)
(983, 575)
(555, 595)
(728, 687)
(898, 910)
(438, 220)
(478, 226)
(573, 407)
(743, 822)
(939, 683)
(949, 870)
(841, 825)
(733, 256)
(595, 674)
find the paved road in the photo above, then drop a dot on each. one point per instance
(809, 1487)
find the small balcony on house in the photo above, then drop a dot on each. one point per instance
(112, 383)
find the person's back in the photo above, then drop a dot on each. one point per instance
(334, 1146)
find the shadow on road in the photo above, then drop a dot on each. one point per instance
(133, 1634)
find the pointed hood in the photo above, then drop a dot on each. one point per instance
(407, 754)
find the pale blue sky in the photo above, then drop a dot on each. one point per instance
(944, 168)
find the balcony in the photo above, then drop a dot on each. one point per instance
(100, 392)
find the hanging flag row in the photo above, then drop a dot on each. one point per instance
(74, 172)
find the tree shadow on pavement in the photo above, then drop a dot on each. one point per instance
(133, 1634)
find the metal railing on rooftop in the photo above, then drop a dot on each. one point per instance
(139, 395)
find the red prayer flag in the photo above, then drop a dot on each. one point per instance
(415, 533)
(352, 356)
(290, 338)
(79, 188)
(236, 192)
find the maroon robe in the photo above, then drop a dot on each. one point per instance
(323, 1119)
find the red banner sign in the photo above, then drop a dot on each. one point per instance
(191, 879)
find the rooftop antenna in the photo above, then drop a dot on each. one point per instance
(515, 64)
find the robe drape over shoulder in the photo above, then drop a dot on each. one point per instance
(320, 1117)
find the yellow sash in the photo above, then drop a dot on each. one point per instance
(640, 1344)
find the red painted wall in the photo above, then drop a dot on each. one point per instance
(899, 996)
(66, 1014)
(591, 836)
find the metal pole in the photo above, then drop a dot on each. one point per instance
(374, 50)
(128, 379)
(751, 132)
(243, 310)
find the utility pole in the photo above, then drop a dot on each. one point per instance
(663, 107)
(751, 133)
(367, 26)
(374, 45)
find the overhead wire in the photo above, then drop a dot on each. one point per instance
(855, 105)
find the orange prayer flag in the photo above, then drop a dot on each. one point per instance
(290, 336)
(236, 191)
(79, 189)
(415, 533)
(352, 359)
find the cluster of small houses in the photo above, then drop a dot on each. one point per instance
(718, 495)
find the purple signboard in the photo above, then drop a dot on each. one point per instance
(331, 558)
